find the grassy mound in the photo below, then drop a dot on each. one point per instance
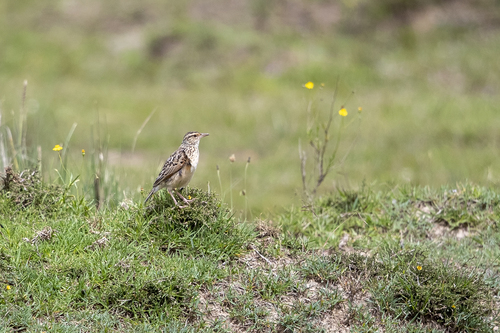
(410, 284)
(26, 189)
(205, 227)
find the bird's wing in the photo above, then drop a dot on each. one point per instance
(173, 164)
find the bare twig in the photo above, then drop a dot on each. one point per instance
(320, 149)
(326, 138)
(39, 155)
(303, 158)
(97, 195)
(12, 148)
(319, 139)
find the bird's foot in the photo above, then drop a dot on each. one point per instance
(184, 199)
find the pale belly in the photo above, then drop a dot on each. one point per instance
(181, 178)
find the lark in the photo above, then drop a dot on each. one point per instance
(179, 167)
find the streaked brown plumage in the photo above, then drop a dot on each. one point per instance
(179, 167)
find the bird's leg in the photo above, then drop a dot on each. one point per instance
(184, 199)
(175, 201)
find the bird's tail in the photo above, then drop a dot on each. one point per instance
(150, 194)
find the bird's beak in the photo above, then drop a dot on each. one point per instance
(204, 134)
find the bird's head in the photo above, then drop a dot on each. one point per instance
(193, 138)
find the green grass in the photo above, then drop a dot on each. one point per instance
(157, 267)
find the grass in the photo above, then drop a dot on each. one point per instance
(139, 268)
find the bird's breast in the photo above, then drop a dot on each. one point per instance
(194, 161)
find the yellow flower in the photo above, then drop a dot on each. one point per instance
(322, 84)
(343, 112)
(189, 197)
(360, 109)
(7, 287)
(309, 85)
(453, 306)
(57, 148)
(419, 267)
(83, 152)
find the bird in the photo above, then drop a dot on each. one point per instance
(179, 167)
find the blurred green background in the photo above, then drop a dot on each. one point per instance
(425, 72)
